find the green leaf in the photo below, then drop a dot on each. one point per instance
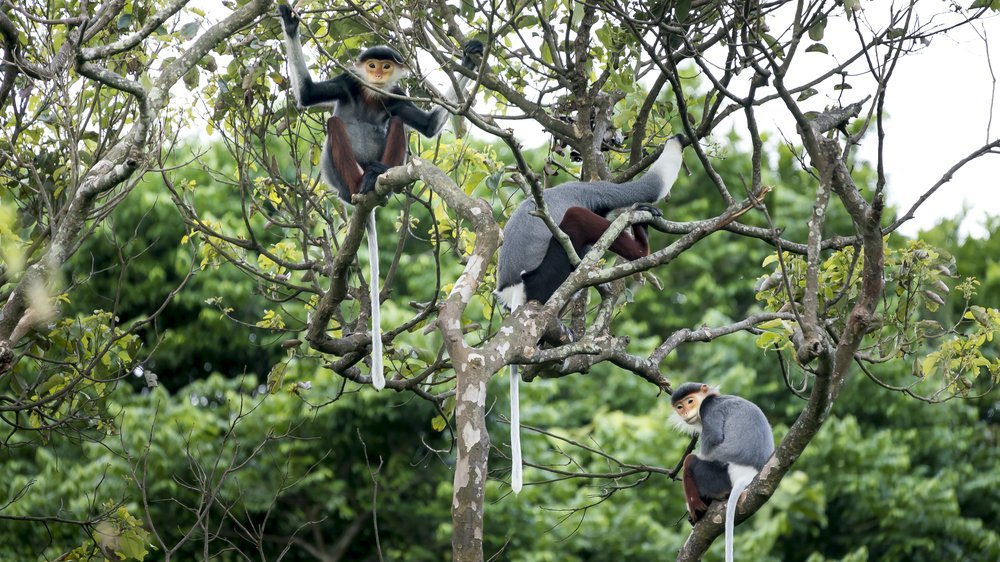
(208, 63)
(682, 9)
(767, 339)
(817, 48)
(770, 324)
(125, 21)
(189, 30)
(927, 365)
(807, 93)
(276, 377)
(991, 4)
(132, 547)
(817, 29)
(775, 45)
(191, 78)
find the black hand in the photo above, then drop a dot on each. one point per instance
(650, 209)
(473, 47)
(289, 20)
(374, 170)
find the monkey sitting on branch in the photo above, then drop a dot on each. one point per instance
(532, 264)
(367, 133)
(736, 442)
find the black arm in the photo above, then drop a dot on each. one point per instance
(306, 91)
(427, 123)
(430, 123)
(312, 93)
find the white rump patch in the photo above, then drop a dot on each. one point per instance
(512, 296)
(739, 472)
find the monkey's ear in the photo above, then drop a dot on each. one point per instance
(704, 388)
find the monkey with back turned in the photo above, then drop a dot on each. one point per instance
(532, 263)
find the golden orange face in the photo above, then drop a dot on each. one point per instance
(689, 407)
(380, 72)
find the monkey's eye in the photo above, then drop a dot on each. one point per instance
(371, 65)
(386, 66)
(690, 401)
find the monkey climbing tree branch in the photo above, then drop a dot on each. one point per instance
(597, 344)
(534, 190)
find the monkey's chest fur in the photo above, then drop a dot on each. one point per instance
(367, 122)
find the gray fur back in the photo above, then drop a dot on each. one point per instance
(748, 443)
(526, 238)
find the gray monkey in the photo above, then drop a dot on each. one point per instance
(532, 264)
(736, 442)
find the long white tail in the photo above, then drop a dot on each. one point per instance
(516, 479)
(739, 485)
(378, 371)
(516, 299)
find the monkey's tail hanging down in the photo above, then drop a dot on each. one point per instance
(516, 478)
(739, 484)
(378, 371)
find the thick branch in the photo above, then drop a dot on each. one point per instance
(132, 39)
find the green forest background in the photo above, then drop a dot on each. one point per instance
(889, 478)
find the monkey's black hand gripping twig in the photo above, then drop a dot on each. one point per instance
(289, 20)
(656, 212)
(473, 47)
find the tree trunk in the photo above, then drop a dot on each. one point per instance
(471, 467)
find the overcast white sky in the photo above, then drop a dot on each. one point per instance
(939, 106)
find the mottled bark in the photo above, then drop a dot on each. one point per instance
(473, 367)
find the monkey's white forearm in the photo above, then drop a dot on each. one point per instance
(440, 114)
(452, 94)
(297, 70)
